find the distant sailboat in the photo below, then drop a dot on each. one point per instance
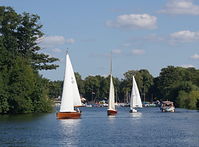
(111, 103)
(70, 94)
(135, 100)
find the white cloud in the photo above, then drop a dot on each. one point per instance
(184, 36)
(180, 7)
(57, 50)
(51, 41)
(116, 51)
(195, 56)
(187, 65)
(137, 51)
(131, 21)
(70, 41)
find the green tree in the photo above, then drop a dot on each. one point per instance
(39, 96)
(55, 89)
(91, 87)
(168, 77)
(4, 106)
(22, 89)
(188, 99)
(20, 34)
(174, 79)
(21, 82)
(96, 88)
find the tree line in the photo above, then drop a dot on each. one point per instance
(177, 84)
(22, 89)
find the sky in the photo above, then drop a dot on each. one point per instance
(141, 34)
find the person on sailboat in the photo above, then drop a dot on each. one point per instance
(77, 110)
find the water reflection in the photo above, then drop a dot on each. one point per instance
(111, 116)
(111, 119)
(69, 130)
(69, 122)
(22, 117)
(136, 115)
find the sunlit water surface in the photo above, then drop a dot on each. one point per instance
(147, 128)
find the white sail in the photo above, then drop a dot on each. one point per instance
(76, 95)
(111, 103)
(70, 94)
(135, 96)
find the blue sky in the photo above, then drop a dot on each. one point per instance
(142, 34)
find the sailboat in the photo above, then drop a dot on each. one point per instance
(135, 100)
(70, 94)
(111, 103)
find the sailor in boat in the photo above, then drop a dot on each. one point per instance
(77, 110)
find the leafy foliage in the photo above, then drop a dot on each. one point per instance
(20, 34)
(22, 90)
(188, 99)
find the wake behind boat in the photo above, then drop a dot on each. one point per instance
(135, 100)
(70, 94)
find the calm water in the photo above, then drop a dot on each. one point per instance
(149, 127)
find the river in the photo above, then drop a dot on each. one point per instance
(147, 128)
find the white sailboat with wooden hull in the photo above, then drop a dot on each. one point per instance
(135, 100)
(111, 103)
(70, 94)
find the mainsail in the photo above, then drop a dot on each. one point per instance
(70, 94)
(111, 103)
(135, 96)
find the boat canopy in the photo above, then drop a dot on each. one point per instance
(167, 103)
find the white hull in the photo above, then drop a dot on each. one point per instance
(133, 110)
(167, 106)
(168, 109)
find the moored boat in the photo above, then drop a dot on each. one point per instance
(167, 106)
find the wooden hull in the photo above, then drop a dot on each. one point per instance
(111, 112)
(79, 106)
(68, 115)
